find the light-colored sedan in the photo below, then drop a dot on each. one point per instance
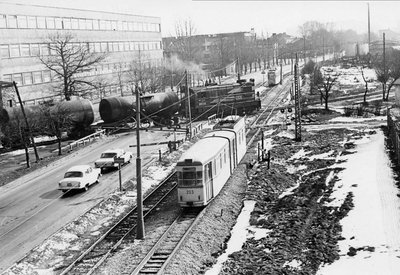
(79, 177)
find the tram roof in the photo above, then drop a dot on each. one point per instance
(204, 150)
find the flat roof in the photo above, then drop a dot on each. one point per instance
(74, 9)
(203, 150)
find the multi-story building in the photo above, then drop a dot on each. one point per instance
(24, 33)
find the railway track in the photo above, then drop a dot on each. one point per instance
(96, 254)
(159, 256)
(269, 106)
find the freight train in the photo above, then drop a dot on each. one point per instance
(222, 100)
(205, 167)
(79, 113)
(160, 108)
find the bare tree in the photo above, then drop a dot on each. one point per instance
(361, 70)
(144, 77)
(68, 60)
(324, 84)
(56, 120)
(184, 31)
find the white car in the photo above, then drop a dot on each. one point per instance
(79, 177)
(107, 158)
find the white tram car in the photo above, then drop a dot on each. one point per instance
(204, 169)
(274, 77)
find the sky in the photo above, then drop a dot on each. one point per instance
(266, 17)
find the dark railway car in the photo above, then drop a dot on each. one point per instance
(80, 114)
(159, 107)
(222, 100)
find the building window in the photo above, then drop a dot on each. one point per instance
(67, 23)
(104, 47)
(121, 46)
(130, 26)
(44, 49)
(14, 51)
(7, 78)
(17, 78)
(46, 76)
(96, 24)
(22, 22)
(12, 21)
(37, 77)
(53, 48)
(50, 23)
(115, 46)
(91, 48)
(126, 46)
(25, 50)
(58, 23)
(102, 24)
(74, 24)
(124, 25)
(97, 47)
(3, 21)
(108, 25)
(41, 22)
(34, 49)
(82, 24)
(114, 25)
(27, 78)
(89, 24)
(4, 53)
(32, 22)
(131, 46)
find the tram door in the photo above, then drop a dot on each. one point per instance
(209, 183)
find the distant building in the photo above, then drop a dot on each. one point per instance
(24, 29)
(390, 35)
(376, 48)
(207, 49)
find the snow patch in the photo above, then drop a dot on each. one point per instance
(238, 237)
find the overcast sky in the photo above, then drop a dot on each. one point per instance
(264, 16)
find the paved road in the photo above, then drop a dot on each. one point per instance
(31, 208)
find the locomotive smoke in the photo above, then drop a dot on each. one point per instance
(175, 64)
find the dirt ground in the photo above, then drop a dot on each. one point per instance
(303, 230)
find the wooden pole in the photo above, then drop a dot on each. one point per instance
(140, 234)
(26, 122)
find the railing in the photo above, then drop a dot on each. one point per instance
(84, 140)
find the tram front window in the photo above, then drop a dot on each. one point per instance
(190, 178)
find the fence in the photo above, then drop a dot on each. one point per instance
(83, 140)
(394, 131)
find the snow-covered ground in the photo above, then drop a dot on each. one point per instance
(372, 227)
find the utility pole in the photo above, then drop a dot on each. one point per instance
(189, 110)
(369, 31)
(323, 48)
(238, 69)
(297, 106)
(384, 67)
(26, 122)
(139, 203)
